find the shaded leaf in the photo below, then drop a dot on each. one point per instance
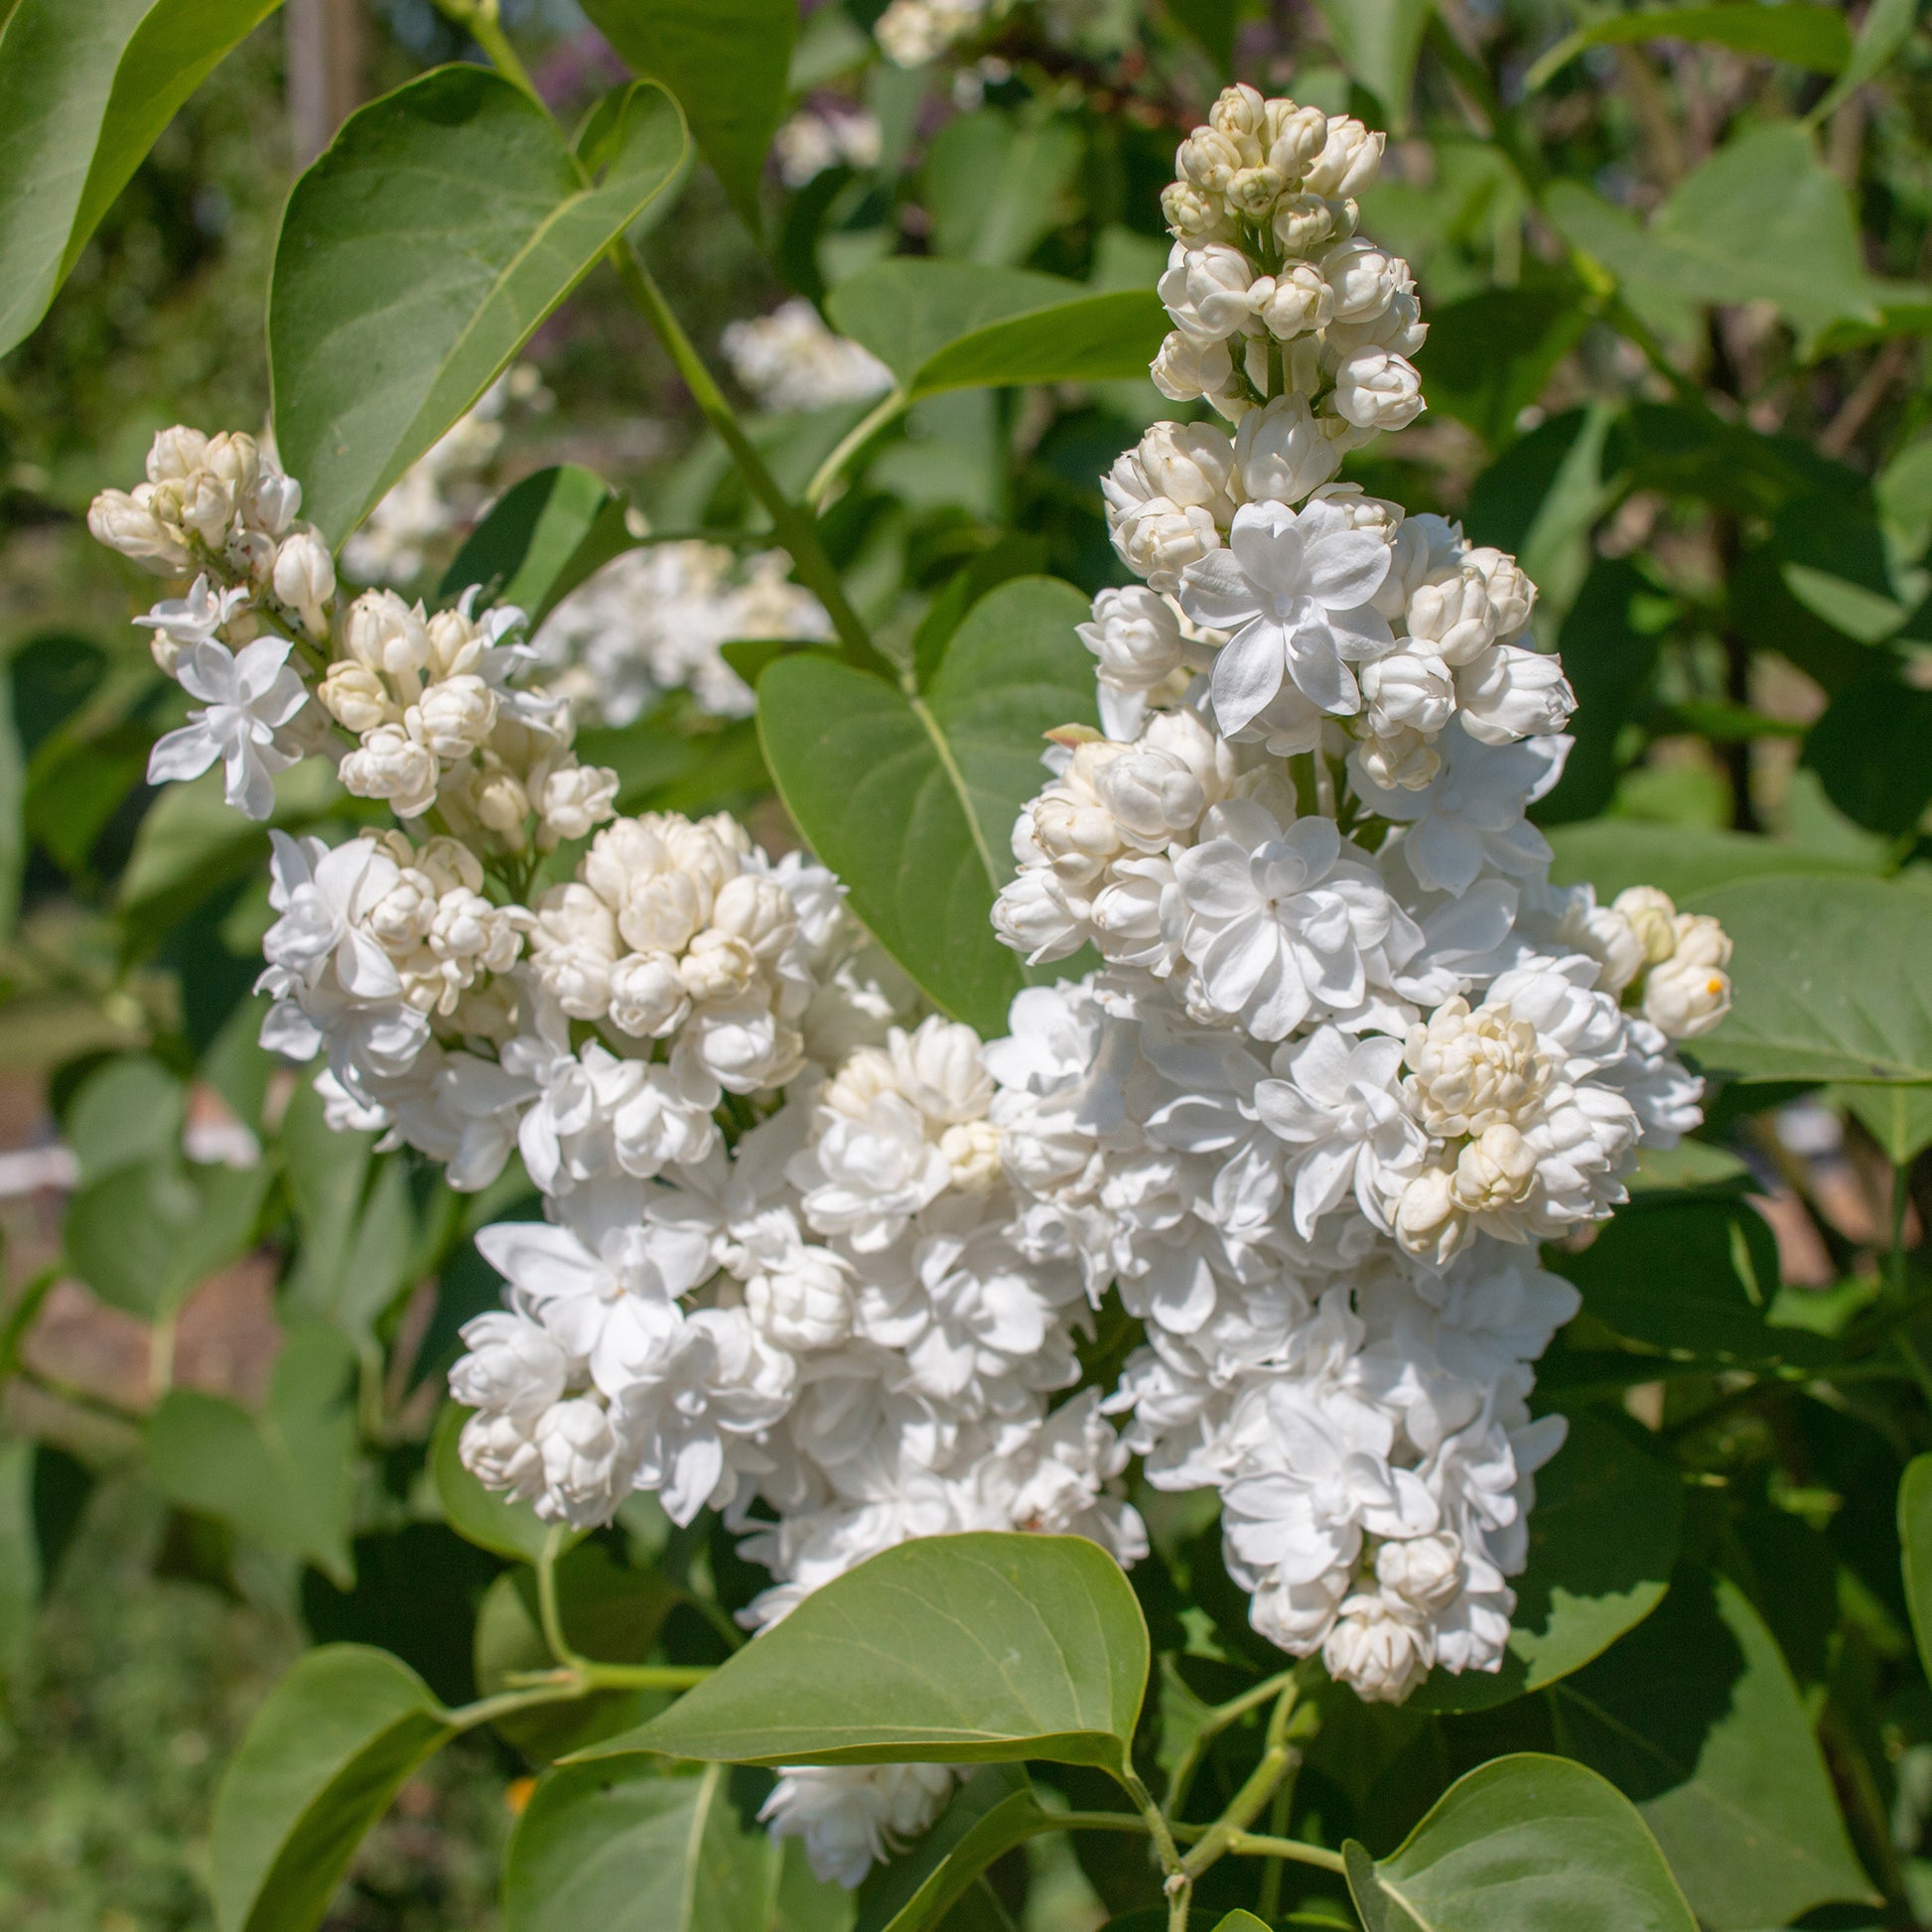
(994, 1810)
(1603, 1540)
(1490, 354)
(318, 1767)
(1915, 1546)
(1868, 749)
(978, 1648)
(85, 93)
(1898, 1117)
(541, 539)
(419, 254)
(1378, 41)
(1806, 36)
(480, 1516)
(1696, 1717)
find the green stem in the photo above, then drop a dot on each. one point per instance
(477, 19)
(1178, 1885)
(1216, 1722)
(21, 1317)
(467, 1716)
(850, 444)
(794, 530)
(1278, 1760)
(1271, 1877)
(1256, 1846)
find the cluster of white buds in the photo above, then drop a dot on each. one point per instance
(913, 32)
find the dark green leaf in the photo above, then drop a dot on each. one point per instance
(1681, 860)
(994, 1810)
(84, 92)
(318, 1767)
(1831, 980)
(1603, 1539)
(419, 254)
(1378, 41)
(1609, 663)
(726, 62)
(541, 539)
(1898, 1117)
(950, 1649)
(1212, 24)
(912, 801)
(1091, 338)
(1490, 355)
(1526, 1844)
(285, 1478)
(1915, 1545)
(1806, 36)
(1696, 1717)
(1870, 749)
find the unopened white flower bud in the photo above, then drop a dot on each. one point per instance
(937, 1067)
(391, 765)
(305, 579)
(1294, 137)
(1205, 291)
(1365, 278)
(455, 715)
(1453, 614)
(175, 454)
(207, 507)
(1186, 370)
(1348, 161)
(385, 634)
(717, 966)
(1412, 688)
(577, 798)
(125, 523)
(1153, 797)
(1653, 918)
(1512, 596)
(501, 802)
(649, 998)
(1190, 464)
(1377, 390)
(1158, 540)
(1193, 214)
(1377, 1651)
(1306, 223)
(1281, 453)
(803, 1303)
(1424, 1572)
(1293, 302)
(1136, 635)
(1509, 693)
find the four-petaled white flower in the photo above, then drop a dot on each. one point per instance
(246, 697)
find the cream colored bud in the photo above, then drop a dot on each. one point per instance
(649, 998)
(124, 523)
(717, 966)
(455, 715)
(305, 579)
(1653, 918)
(356, 697)
(386, 634)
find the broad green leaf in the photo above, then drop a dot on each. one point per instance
(21, 1581)
(1611, 661)
(285, 1478)
(1831, 980)
(1898, 1117)
(1869, 751)
(1915, 1550)
(622, 1847)
(1212, 25)
(1240, 1921)
(726, 62)
(982, 1648)
(143, 1237)
(945, 324)
(1603, 1540)
(1762, 221)
(1690, 1164)
(1681, 860)
(1525, 1844)
(480, 1516)
(419, 254)
(84, 92)
(911, 801)
(540, 540)
(125, 1114)
(1692, 1275)
(327, 1173)
(318, 1767)
(1490, 354)
(1886, 27)
(994, 1810)
(1805, 35)
(1378, 41)
(1696, 1717)
(996, 189)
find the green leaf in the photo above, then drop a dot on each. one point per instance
(1868, 749)
(1694, 1716)
(1898, 1117)
(1762, 221)
(1690, 1273)
(84, 92)
(994, 1810)
(143, 1237)
(1681, 860)
(726, 62)
(911, 801)
(541, 539)
(480, 1516)
(621, 1846)
(1915, 1550)
(1525, 1844)
(1378, 41)
(1805, 35)
(285, 1478)
(1886, 27)
(981, 1648)
(318, 1767)
(1240, 1921)
(1610, 663)
(1603, 1540)
(419, 254)
(125, 1114)
(996, 189)
(1490, 354)
(1831, 980)
(21, 1581)
(327, 1173)
(946, 325)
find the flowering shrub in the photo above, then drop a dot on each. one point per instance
(921, 1287)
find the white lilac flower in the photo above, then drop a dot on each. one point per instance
(1295, 590)
(246, 697)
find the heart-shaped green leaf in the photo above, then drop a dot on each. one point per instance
(320, 1764)
(420, 253)
(1831, 980)
(911, 801)
(983, 1648)
(1524, 1844)
(726, 61)
(84, 92)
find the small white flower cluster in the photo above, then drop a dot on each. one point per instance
(1349, 1054)
(913, 32)
(789, 360)
(815, 139)
(653, 621)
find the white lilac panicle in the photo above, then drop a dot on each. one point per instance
(789, 360)
(818, 1259)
